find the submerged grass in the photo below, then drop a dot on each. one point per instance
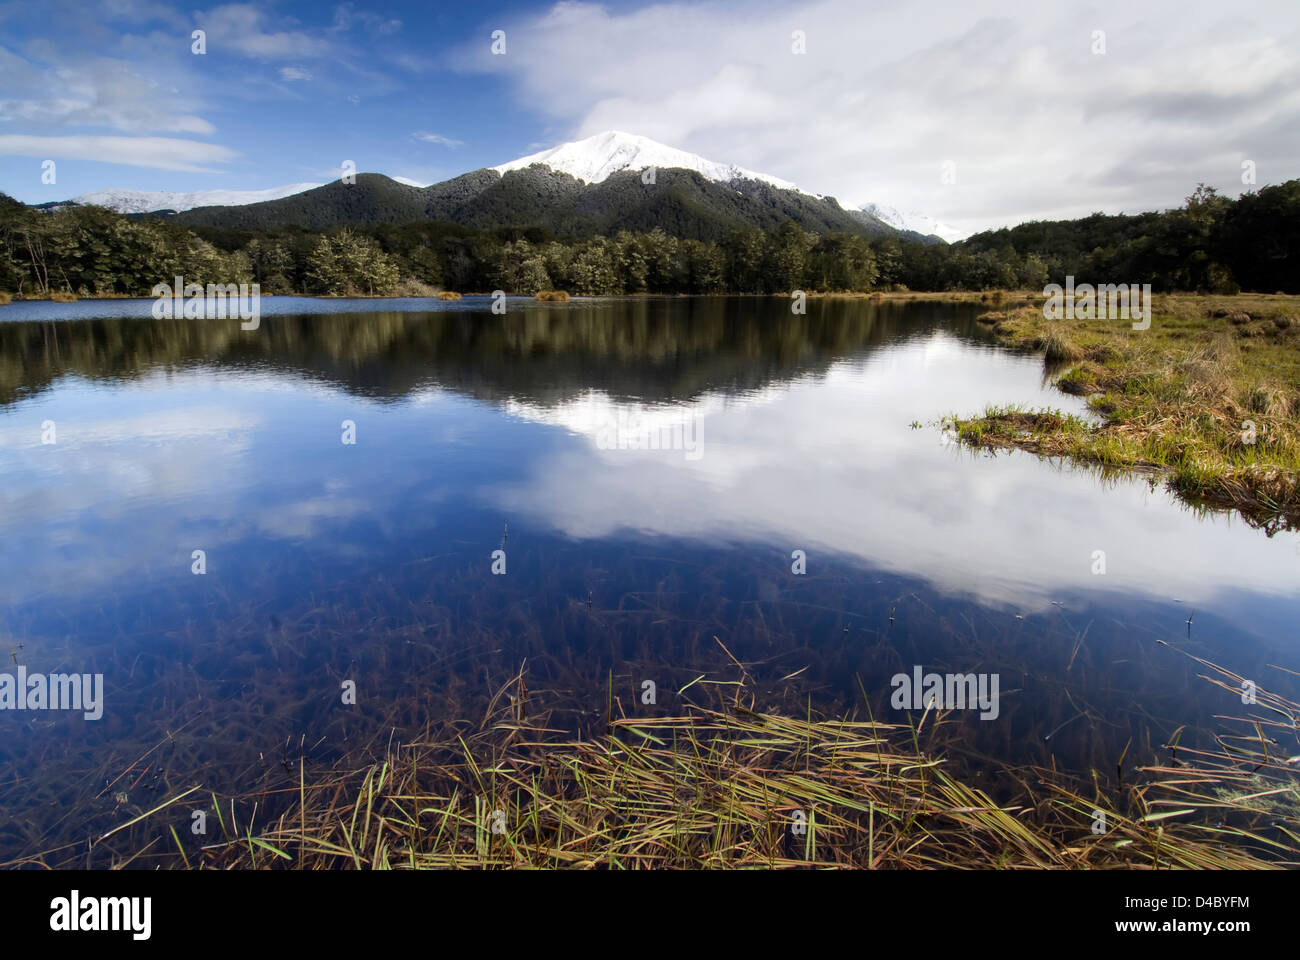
(725, 786)
(1209, 396)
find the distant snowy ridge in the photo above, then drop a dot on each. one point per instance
(147, 201)
(911, 220)
(594, 159)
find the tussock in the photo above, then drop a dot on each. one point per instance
(410, 287)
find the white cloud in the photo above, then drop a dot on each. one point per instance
(143, 11)
(92, 91)
(346, 17)
(438, 138)
(163, 153)
(290, 74)
(243, 28)
(1035, 123)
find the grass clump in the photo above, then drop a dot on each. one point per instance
(448, 295)
(4, 298)
(63, 296)
(411, 287)
(1082, 380)
(560, 296)
(1058, 348)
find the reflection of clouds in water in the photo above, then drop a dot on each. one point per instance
(834, 466)
(163, 426)
(145, 473)
(303, 520)
(173, 453)
(124, 496)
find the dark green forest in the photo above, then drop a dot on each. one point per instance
(1212, 243)
(682, 203)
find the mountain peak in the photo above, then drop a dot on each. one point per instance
(595, 158)
(920, 223)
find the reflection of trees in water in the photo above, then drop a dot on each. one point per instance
(654, 349)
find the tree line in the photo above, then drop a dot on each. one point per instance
(1212, 243)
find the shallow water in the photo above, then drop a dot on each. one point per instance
(372, 561)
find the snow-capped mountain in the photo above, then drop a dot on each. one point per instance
(911, 220)
(147, 201)
(482, 198)
(595, 158)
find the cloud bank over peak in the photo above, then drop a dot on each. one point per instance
(981, 116)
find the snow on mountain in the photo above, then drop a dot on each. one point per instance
(595, 158)
(911, 220)
(591, 160)
(147, 201)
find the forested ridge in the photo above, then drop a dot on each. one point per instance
(1212, 243)
(680, 202)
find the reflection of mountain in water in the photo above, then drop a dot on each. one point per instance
(653, 349)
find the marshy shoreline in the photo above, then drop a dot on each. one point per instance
(1207, 398)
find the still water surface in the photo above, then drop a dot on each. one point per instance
(372, 561)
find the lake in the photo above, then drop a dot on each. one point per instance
(405, 502)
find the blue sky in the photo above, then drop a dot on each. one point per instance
(284, 93)
(978, 112)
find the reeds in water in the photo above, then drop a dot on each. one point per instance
(735, 788)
